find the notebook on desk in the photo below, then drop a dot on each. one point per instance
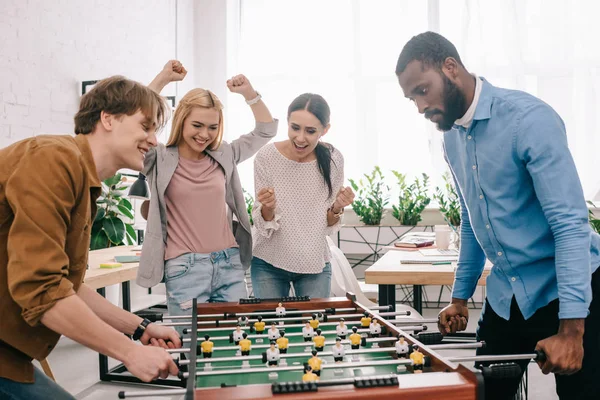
(429, 260)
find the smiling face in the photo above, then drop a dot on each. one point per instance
(130, 138)
(434, 93)
(304, 132)
(200, 129)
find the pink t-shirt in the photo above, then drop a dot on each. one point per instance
(196, 209)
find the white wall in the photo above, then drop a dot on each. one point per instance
(48, 47)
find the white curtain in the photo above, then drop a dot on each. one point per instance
(346, 50)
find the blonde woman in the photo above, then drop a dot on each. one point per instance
(192, 242)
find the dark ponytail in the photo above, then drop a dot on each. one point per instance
(317, 106)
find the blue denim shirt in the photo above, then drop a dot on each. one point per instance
(522, 207)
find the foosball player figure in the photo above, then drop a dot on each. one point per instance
(355, 339)
(280, 310)
(273, 332)
(238, 334)
(319, 341)
(315, 363)
(282, 342)
(338, 350)
(314, 322)
(309, 376)
(245, 345)
(375, 329)
(308, 332)
(320, 317)
(207, 347)
(273, 354)
(365, 321)
(401, 347)
(418, 359)
(259, 326)
(341, 329)
(243, 320)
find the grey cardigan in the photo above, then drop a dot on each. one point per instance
(159, 166)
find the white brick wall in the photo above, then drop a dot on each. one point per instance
(49, 47)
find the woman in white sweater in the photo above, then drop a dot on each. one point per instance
(299, 200)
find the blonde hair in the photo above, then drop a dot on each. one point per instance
(196, 98)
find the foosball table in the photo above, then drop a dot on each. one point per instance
(300, 348)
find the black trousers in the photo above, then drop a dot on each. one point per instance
(518, 336)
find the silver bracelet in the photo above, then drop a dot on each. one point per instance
(254, 100)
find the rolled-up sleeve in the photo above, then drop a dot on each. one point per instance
(41, 193)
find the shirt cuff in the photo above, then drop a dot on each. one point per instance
(573, 310)
(463, 290)
(265, 228)
(52, 295)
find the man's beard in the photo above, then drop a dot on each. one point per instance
(455, 104)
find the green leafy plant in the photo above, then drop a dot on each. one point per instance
(371, 197)
(412, 200)
(594, 222)
(249, 205)
(111, 227)
(448, 201)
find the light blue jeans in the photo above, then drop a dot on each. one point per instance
(42, 389)
(214, 277)
(269, 282)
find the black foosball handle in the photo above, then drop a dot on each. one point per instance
(151, 316)
(540, 356)
(287, 299)
(430, 337)
(502, 371)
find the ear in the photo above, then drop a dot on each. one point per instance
(107, 120)
(450, 67)
(326, 130)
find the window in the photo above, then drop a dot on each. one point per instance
(347, 51)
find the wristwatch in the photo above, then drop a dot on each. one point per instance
(139, 331)
(254, 100)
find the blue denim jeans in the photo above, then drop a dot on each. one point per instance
(42, 389)
(270, 282)
(214, 277)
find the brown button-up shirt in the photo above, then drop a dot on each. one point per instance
(48, 191)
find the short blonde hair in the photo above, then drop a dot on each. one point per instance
(118, 96)
(196, 98)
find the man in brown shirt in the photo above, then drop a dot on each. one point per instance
(48, 191)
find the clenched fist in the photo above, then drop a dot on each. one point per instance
(240, 84)
(266, 197)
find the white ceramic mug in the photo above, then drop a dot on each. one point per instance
(442, 236)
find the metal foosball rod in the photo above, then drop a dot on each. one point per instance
(151, 393)
(267, 320)
(228, 329)
(329, 353)
(408, 321)
(328, 311)
(537, 356)
(300, 344)
(288, 335)
(300, 367)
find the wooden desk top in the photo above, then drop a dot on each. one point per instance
(389, 271)
(97, 277)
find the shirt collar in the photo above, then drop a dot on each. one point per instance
(467, 118)
(88, 160)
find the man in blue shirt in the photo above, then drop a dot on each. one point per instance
(523, 209)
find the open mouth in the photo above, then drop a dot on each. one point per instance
(143, 151)
(300, 147)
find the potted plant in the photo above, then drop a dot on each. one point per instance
(112, 225)
(249, 205)
(594, 222)
(371, 197)
(449, 206)
(412, 200)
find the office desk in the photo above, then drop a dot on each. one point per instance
(388, 272)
